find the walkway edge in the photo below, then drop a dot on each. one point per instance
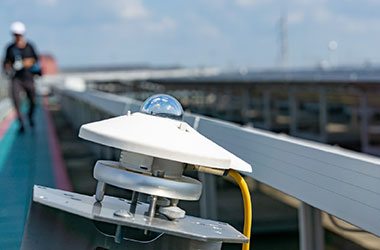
(6, 123)
(60, 172)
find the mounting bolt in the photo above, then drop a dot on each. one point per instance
(100, 191)
(119, 234)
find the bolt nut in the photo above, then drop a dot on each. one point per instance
(172, 212)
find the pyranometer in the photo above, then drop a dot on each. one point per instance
(156, 147)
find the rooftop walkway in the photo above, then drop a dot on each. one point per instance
(32, 157)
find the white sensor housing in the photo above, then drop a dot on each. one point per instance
(162, 138)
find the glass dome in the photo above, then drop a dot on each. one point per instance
(164, 106)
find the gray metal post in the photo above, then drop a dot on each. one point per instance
(208, 202)
(354, 119)
(230, 104)
(293, 109)
(310, 228)
(245, 104)
(364, 139)
(322, 114)
(267, 110)
(100, 191)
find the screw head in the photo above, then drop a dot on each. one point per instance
(123, 214)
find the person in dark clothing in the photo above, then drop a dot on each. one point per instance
(19, 59)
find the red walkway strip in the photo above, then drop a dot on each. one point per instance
(7, 123)
(60, 171)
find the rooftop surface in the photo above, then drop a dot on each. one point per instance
(25, 159)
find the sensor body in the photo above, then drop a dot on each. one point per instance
(157, 146)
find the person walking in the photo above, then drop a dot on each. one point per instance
(19, 60)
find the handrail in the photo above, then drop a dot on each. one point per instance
(5, 108)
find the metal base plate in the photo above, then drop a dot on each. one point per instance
(86, 206)
(48, 228)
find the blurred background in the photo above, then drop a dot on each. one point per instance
(307, 68)
(229, 34)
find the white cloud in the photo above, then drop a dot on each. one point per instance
(310, 2)
(322, 15)
(209, 30)
(47, 2)
(295, 17)
(135, 19)
(164, 25)
(319, 12)
(202, 27)
(374, 1)
(249, 3)
(358, 26)
(129, 9)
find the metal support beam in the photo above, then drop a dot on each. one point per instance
(323, 114)
(208, 202)
(100, 191)
(364, 138)
(293, 109)
(267, 110)
(310, 228)
(228, 106)
(245, 104)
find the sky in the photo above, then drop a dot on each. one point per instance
(222, 33)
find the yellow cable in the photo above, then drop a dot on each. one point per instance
(247, 205)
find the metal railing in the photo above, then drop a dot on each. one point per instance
(3, 87)
(340, 182)
(5, 102)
